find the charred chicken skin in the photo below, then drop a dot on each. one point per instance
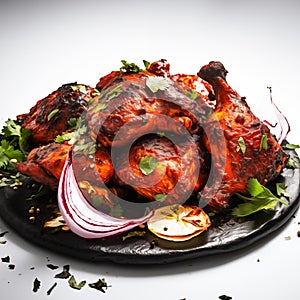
(248, 149)
(218, 143)
(50, 115)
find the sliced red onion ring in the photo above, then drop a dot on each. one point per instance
(282, 121)
(82, 218)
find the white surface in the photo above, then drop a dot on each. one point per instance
(44, 44)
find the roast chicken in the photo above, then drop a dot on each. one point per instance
(49, 117)
(201, 138)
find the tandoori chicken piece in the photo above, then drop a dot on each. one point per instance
(241, 145)
(45, 163)
(139, 103)
(161, 170)
(50, 115)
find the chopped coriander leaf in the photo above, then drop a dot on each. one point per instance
(146, 64)
(129, 67)
(136, 233)
(36, 285)
(280, 190)
(80, 88)
(192, 94)
(160, 197)
(73, 284)
(64, 137)
(65, 273)
(148, 164)
(52, 114)
(263, 142)
(8, 154)
(291, 146)
(72, 123)
(100, 285)
(261, 198)
(156, 83)
(292, 162)
(242, 145)
(16, 135)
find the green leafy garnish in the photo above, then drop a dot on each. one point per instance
(146, 64)
(156, 83)
(148, 164)
(129, 67)
(263, 143)
(192, 94)
(280, 190)
(291, 146)
(52, 114)
(80, 88)
(292, 162)
(16, 135)
(9, 155)
(260, 198)
(136, 233)
(242, 145)
(73, 284)
(160, 197)
(100, 285)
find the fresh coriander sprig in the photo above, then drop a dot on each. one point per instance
(260, 198)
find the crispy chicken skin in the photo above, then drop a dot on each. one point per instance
(249, 149)
(50, 115)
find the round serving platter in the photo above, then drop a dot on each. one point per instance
(225, 235)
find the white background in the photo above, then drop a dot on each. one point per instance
(44, 44)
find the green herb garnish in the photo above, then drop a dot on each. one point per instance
(160, 197)
(280, 190)
(136, 233)
(156, 83)
(148, 164)
(263, 143)
(242, 145)
(52, 114)
(291, 146)
(260, 198)
(192, 94)
(129, 67)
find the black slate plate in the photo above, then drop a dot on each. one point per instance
(224, 236)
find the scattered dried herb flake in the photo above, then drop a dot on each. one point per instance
(51, 288)
(100, 285)
(36, 285)
(65, 274)
(73, 284)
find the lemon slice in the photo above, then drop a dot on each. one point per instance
(178, 222)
